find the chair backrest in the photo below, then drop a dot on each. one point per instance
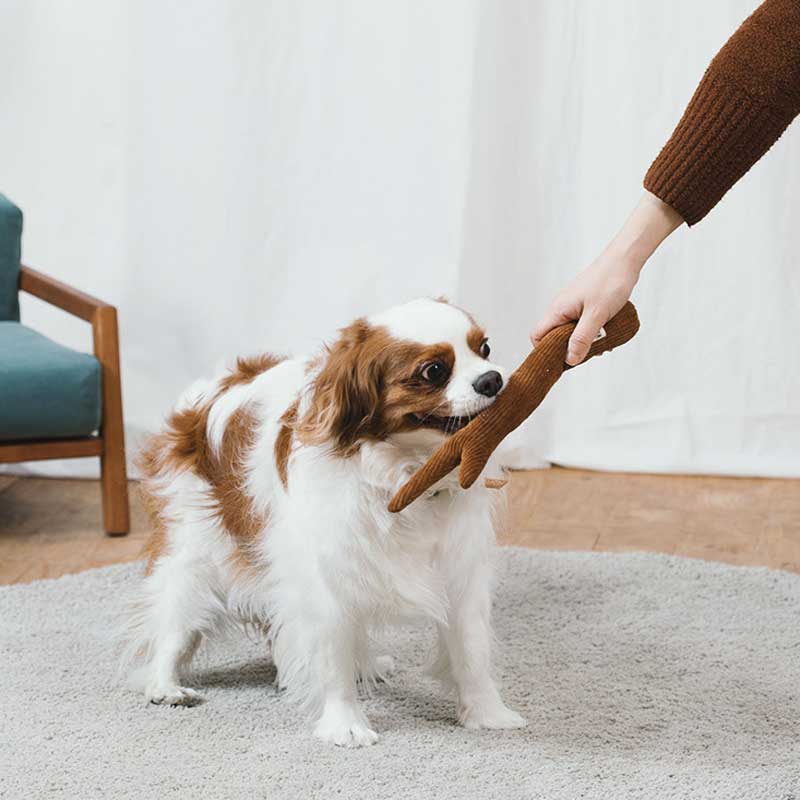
(10, 238)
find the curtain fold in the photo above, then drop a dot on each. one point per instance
(250, 175)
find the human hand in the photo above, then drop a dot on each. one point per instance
(592, 297)
(602, 288)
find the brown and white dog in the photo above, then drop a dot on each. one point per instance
(268, 492)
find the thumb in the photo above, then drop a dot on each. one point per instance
(582, 337)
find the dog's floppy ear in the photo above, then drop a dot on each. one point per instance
(346, 399)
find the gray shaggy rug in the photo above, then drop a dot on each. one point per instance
(642, 676)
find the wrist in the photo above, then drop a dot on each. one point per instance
(627, 258)
(649, 224)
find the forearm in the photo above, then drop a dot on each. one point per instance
(601, 290)
(748, 96)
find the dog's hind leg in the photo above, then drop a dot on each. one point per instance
(181, 605)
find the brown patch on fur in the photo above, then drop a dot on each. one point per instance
(227, 474)
(154, 505)
(248, 368)
(475, 338)
(180, 446)
(183, 445)
(370, 386)
(283, 443)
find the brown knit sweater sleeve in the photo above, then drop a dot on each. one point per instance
(748, 96)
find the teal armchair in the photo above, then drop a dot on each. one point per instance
(56, 402)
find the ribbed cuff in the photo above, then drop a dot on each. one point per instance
(722, 133)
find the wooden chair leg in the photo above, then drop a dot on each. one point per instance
(116, 514)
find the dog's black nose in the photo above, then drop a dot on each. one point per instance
(489, 384)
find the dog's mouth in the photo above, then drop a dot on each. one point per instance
(447, 425)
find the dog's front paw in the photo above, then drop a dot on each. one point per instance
(493, 716)
(345, 727)
(173, 695)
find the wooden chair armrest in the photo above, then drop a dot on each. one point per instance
(110, 445)
(59, 294)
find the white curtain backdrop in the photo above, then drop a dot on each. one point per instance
(248, 175)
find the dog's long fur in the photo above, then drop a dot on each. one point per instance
(268, 489)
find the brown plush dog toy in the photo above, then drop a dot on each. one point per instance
(525, 390)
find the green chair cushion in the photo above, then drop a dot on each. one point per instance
(10, 236)
(46, 390)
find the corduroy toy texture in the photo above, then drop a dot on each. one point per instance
(526, 388)
(748, 96)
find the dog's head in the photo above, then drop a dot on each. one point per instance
(419, 366)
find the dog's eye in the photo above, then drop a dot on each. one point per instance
(485, 350)
(435, 372)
